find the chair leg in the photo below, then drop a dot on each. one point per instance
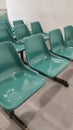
(22, 57)
(61, 81)
(13, 116)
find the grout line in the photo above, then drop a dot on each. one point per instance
(62, 107)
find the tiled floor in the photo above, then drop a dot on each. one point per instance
(51, 108)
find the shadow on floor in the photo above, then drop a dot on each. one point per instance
(68, 74)
(49, 94)
(11, 124)
(43, 101)
(28, 116)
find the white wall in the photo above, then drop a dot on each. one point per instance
(51, 13)
(2, 4)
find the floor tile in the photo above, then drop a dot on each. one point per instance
(45, 96)
(58, 116)
(41, 123)
(64, 98)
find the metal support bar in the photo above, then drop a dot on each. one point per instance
(22, 57)
(13, 116)
(56, 79)
(61, 81)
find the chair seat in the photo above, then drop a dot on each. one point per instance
(51, 66)
(65, 52)
(18, 88)
(69, 43)
(46, 36)
(19, 46)
(21, 40)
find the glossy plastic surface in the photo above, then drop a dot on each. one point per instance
(46, 36)
(5, 24)
(21, 32)
(37, 29)
(18, 22)
(40, 58)
(19, 46)
(58, 46)
(68, 33)
(17, 82)
(5, 35)
(6, 21)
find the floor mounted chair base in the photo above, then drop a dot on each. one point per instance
(58, 46)
(42, 60)
(17, 82)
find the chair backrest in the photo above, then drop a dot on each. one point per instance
(68, 34)
(5, 24)
(8, 23)
(10, 63)
(4, 16)
(36, 27)
(56, 39)
(18, 22)
(21, 31)
(5, 35)
(36, 48)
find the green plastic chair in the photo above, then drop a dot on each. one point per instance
(41, 59)
(5, 23)
(4, 16)
(17, 82)
(37, 29)
(21, 32)
(68, 34)
(5, 35)
(18, 22)
(58, 46)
